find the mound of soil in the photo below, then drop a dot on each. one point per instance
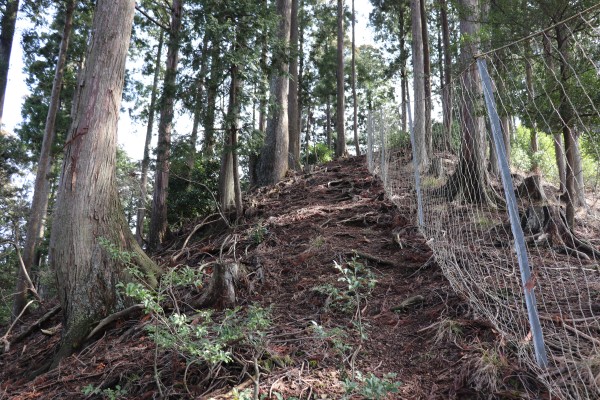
(402, 318)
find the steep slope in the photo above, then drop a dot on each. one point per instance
(333, 331)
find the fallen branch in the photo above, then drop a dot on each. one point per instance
(4, 339)
(196, 228)
(53, 311)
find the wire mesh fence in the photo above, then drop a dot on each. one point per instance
(545, 101)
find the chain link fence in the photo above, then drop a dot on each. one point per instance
(525, 140)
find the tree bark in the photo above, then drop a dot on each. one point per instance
(447, 83)
(88, 211)
(41, 188)
(141, 210)
(419, 129)
(354, 97)
(470, 179)
(229, 198)
(212, 88)
(340, 148)
(7, 24)
(273, 159)
(158, 221)
(426, 79)
(293, 111)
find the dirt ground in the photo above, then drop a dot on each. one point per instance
(320, 338)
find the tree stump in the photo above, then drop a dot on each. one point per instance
(547, 224)
(531, 189)
(220, 292)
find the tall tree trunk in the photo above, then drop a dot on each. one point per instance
(571, 197)
(470, 179)
(158, 221)
(273, 159)
(293, 111)
(141, 209)
(403, 74)
(426, 79)
(198, 110)
(7, 24)
(530, 122)
(301, 93)
(41, 188)
(328, 122)
(88, 207)
(419, 129)
(354, 97)
(340, 148)
(212, 87)
(447, 94)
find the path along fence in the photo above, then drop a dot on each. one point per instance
(494, 198)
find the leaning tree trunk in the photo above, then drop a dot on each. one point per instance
(273, 160)
(141, 209)
(340, 144)
(212, 87)
(88, 215)
(7, 24)
(41, 188)
(158, 221)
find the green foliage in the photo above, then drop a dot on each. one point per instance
(190, 192)
(108, 393)
(523, 159)
(318, 153)
(258, 233)
(205, 336)
(370, 386)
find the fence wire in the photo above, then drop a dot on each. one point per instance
(547, 98)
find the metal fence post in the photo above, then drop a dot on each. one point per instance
(511, 203)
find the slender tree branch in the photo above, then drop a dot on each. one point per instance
(151, 19)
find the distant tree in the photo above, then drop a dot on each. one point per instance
(293, 106)
(141, 209)
(7, 25)
(353, 75)
(41, 189)
(91, 225)
(340, 144)
(158, 221)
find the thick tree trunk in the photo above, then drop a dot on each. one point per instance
(41, 188)
(447, 83)
(419, 129)
(141, 209)
(293, 111)
(340, 147)
(273, 160)
(88, 214)
(470, 179)
(158, 221)
(7, 24)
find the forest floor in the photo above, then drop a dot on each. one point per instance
(332, 333)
